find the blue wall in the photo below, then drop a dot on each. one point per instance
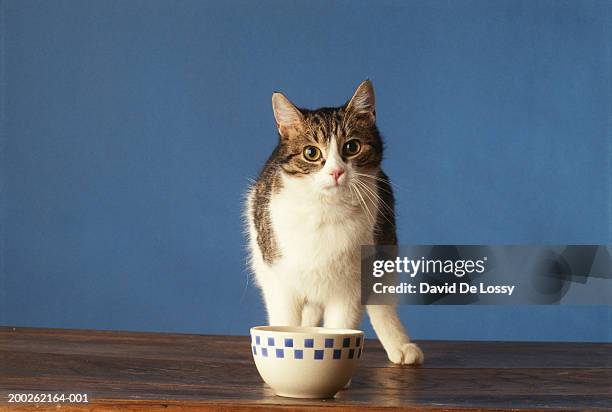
(130, 129)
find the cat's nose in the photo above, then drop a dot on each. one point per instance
(336, 173)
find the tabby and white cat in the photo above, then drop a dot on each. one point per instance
(320, 196)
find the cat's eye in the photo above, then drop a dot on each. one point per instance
(351, 148)
(312, 153)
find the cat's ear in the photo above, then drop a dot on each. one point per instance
(289, 120)
(363, 102)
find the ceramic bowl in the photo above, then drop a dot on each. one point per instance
(302, 362)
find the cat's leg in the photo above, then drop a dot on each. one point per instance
(312, 314)
(392, 335)
(343, 313)
(283, 306)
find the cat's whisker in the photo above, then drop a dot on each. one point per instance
(354, 195)
(386, 180)
(381, 206)
(378, 187)
(364, 203)
(374, 192)
(380, 179)
(364, 206)
(380, 199)
(383, 188)
(372, 197)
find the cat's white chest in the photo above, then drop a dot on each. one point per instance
(319, 241)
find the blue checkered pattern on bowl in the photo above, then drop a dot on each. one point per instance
(306, 348)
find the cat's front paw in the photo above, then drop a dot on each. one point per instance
(406, 354)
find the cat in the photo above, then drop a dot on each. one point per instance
(319, 197)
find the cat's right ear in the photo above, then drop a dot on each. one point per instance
(289, 120)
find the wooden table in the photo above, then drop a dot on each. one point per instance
(170, 372)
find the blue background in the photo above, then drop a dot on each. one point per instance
(130, 129)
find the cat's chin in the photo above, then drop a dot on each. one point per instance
(333, 190)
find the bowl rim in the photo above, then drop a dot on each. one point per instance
(305, 330)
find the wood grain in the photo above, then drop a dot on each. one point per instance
(172, 372)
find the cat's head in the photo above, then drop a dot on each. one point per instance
(329, 149)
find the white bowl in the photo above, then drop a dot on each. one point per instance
(301, 362)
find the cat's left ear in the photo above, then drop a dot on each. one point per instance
(363, 101)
